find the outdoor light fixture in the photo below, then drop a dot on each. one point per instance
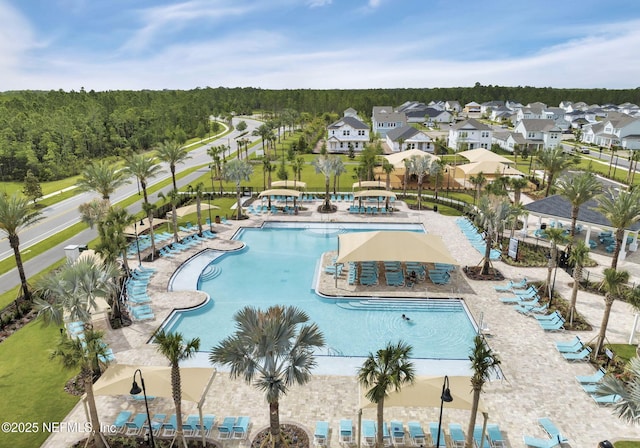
(135, 390)
(446, 396)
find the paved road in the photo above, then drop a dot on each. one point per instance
(63, 214)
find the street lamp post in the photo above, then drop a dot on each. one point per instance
(135, 390)
(446, 396)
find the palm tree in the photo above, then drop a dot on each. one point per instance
(149, 209)
(492, 215)
(73, 290)
(628, 408)
(477, 181)
(324, 165)
(217, 156)
(337, 169)
(272, 350)
(265, 132)
(420, 168)
(144, 168)
(389, 368)
(407, 175)
(267, 169)
(388, 168)
(613, 284)
(103, 178)
(483, 362)
(553, 161)
(172, 153)
(173, 347)
(298, 166)
(621, 209)
(92, 213)
(577, 257)
(518, 184)
(578, 190)
(113, 240)
(437, 167)
(556, 236)
(88, 355)
(173, 198)
(17, 213)
(237, 171)
(199, 191)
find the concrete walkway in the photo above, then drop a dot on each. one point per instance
(538, 381)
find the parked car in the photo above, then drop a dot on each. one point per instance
(584, 150)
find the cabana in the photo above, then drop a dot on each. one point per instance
(297, 184)
(142, 226)
(196, 381)
(491, 169)
(397, 176)
(282, 192)
(377, 194)
(368, 184)
(484, 155)
(393, 246)
(192, 208)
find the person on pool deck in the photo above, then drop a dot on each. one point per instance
(413, 276)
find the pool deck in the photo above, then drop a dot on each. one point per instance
(538, 381)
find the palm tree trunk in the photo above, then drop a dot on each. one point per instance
(616, 250)
(487, 254)
(380, 419)
(472, 420)
(239, 202)
(327, 202)
(14, 242)
(274, 424)
(93, 410)
(577, 276)
(608, 303)
(152, 234)
(174, 221)
(173, 176)
(199, 214)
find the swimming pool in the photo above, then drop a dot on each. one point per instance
(278, 266)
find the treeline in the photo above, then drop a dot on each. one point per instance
(54, 133)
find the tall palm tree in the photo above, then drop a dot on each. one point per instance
(419, 167)
(199, 192)
(267, 169)
(407, 176)
(613, 284)
(578, 190)
(478, 181)
(622, 209)
(388, 168)
(217, 156)
(272, 350)
(73, 290)
(337, 170)
(492, 215)
(113, 240)
(237, 171)
(518, 184)
(173, 198)
(173, 347)
(628, 408)
(389, 368)
(483, 362)
(93, 213)
(103, 178)
(553, 161)
(149, 209)
(87, 355)
(298, 166)
(17, 213)
(436, 168)
(556, 236)
(578, 256)
(324, 165)
(144, 168)
(172, 153)
(265, 132)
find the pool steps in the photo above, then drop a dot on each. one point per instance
(210, 272)
(442, 305)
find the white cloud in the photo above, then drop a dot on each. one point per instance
(318, 3)
(16, 37)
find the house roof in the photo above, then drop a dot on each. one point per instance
(431, 112)
(349, 121)
(386, 113)
(540, 125)
(483, 155)
(404, 132)
(470, 124)
(559, 207)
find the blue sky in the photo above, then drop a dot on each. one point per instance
(158, 44)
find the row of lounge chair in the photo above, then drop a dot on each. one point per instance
(75, 330)
(368, 210)
(556, 438)
(475, 238)
(133, 425)
(526, 301)
(174, 249)
(136, 292)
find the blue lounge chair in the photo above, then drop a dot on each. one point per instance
(369, 432)
(207, 424)
(156, 423)
(169, 428)
(119, 424)
(571, 346)
(478, 439)
(321, 433)
(606, 399)
(591, 379)
(416, 433)
(583, 355)
(433, 429)
(397, 432)
(541, 443)
(225, 429)
(135, 426)
(495, 436)
(190, 426)
(549, 317)
(386, 436)
(241, 428)
(457, 435)
(556, 325)
(346, 431)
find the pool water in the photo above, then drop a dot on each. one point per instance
(279, 265)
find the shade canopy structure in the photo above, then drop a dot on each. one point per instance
(192, 208)
(397, 159)
(289, 184)
(374, 193)
(280, 192)
(393, 246)
(369, 184)
(117, 380)
(489, 168)
(143, 226)
(425, 392)
(484, 155)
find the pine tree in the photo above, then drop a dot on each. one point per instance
(32, 188)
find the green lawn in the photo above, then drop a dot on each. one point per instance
(627, 444)
(32, 385)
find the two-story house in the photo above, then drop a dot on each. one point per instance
(348, 132)
(385, 118)
(616, 130)
(469, 134)
(541, 134)
(408, 137)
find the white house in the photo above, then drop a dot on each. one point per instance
(348, 132)
(408, 137)
(385, 119)
(452, 106)
(543, 134)
(469, 134)
(616, 130)
(472, 108)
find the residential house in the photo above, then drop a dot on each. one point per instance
(472, 108)
(616, 130)
(437, 116)
(408, 137)
(501, 113)
(348, 132)
(489, 106)
(539, 133)
(530, 112)
(469, 134)
(452, 106)
(385, 119)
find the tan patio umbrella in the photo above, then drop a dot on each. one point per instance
(489, 168)
(484, 155)
(289, 184)
(142, 226)
(397, 159)
(192, 208)
(280, 192)
(393, 246)
(369, 184)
